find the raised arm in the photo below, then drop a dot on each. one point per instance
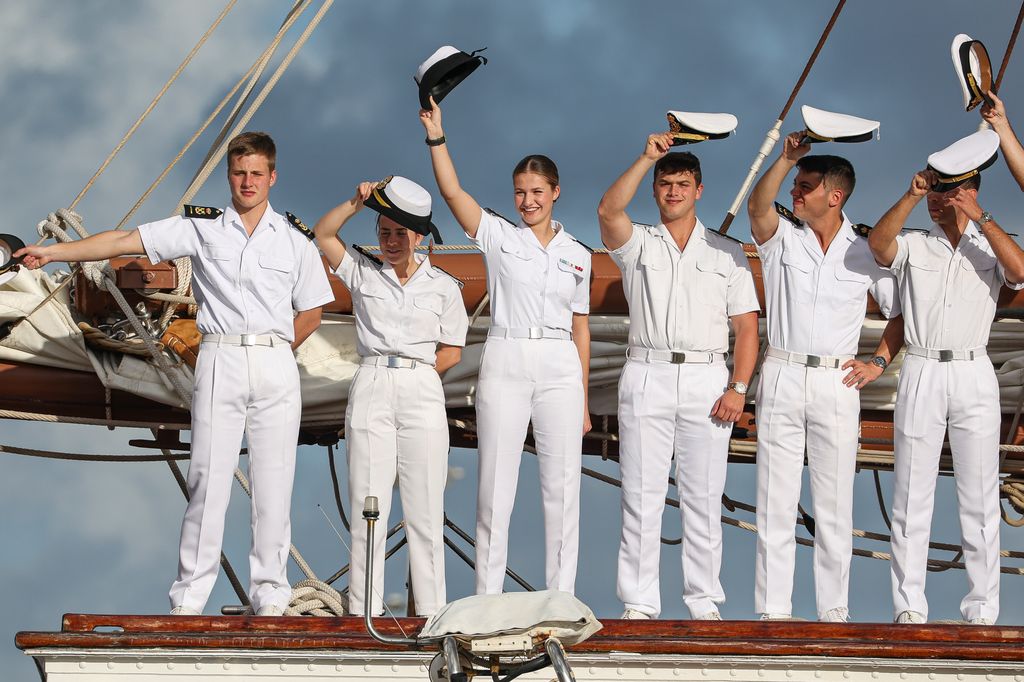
(764, 221)
(1007, 251)
(883, 238)
(1008, 142)
(327, 228)
(616, 226)
(463, 206)
(100, 246)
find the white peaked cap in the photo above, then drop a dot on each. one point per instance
(964, 158)
(835, 127)
(969, 63)
(713, 124)
(408, 196)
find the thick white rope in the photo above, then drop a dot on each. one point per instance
(313, 597)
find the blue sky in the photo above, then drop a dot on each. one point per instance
(583, 82)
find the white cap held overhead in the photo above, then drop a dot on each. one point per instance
(690, 127)
(829, 126)
(964, 159)
(443, 70)
(973, 69)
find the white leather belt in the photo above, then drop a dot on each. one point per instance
(829, 361)
(529, 333)
(245, 340)
(948, 355)
(675, 357)
(392, 362)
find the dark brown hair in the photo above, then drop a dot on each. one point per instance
(539, 164)
(253, 142)
(678, 162)
(836, 172)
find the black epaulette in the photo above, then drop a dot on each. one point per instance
(297, 223)
(498, 215)
(863, 229)
(725, 236)
(368, 256)
(788, 215)
(210, 212)
(443, 271)
(589, 250)
(923, 230)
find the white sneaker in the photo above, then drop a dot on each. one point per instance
(270, 610)
(710, 615)
(776, 616)
(633, 614)
(911, 617)
(840, 614)
(980, 621)
(184, 611)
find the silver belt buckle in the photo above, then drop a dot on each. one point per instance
(394, 362)
(248, 340)
(677, 358)
(813, 361)
(945, 355)
(536, 333)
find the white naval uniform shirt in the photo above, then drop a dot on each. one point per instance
(409, 320)
(243, 284)
(816, 301)
(531, 286)
(949, 296)
(682, 300)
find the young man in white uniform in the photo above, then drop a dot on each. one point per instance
(411, 325)
(251, 269)
(949, 282)
(685, 284)
(817, 271)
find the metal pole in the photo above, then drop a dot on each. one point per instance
(370, 514)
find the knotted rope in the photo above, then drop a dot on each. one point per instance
(316, 598)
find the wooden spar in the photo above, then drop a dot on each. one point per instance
(773, 135)
(1009, 49)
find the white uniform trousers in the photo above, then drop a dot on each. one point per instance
(252, 390)
(396, 427)
(524, 380)
(802, 408)
(963, 395)
(664, 410)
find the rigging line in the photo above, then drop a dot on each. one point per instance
(80, 457)
(337, 490)
(152, 104)
(345, 569)
(1009, 50)
(472, 543)
(881, 499)
(773, 134)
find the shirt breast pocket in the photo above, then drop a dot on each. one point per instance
(976, 278)
(516, 264)
(849, 289)
(927, 280)
(222, 261)
(712, 283)
(276, 276)
(569, 277)
(798, 277)
(428, 316)
(656, 274)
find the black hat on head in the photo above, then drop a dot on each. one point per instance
(406, 203)
(443, 70)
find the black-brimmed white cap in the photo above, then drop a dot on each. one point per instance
(405, 202)
(8, 264)
(690, 127)
(829, 126)
(964, 159)
(443, 70)
(973, 69)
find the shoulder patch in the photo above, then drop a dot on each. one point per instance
(788, 215)
(498, 215)
(863, 229)
(297, 223)
(445, 272)
(589, 250)
(209, 212)
(368, 256)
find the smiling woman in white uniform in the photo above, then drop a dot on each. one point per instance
(410, 324)
(535, 362)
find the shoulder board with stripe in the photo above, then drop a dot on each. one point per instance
(297, 223)
(863, 229)
(589, 250)
(445, 272)
(788, 215)
(368, 256)
(210, 212)
(724, 236)
(498, 215)
(922, 230)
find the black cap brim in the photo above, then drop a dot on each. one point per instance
(418, 224)
(442, 77)
(13, 244)
(947, 183)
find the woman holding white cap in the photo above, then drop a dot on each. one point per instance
(535, 362)
(410, 328)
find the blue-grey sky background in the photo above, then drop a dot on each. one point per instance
(583, 82)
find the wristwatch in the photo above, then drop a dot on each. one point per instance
(879, 361)
(985, 217)
(739, 387)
